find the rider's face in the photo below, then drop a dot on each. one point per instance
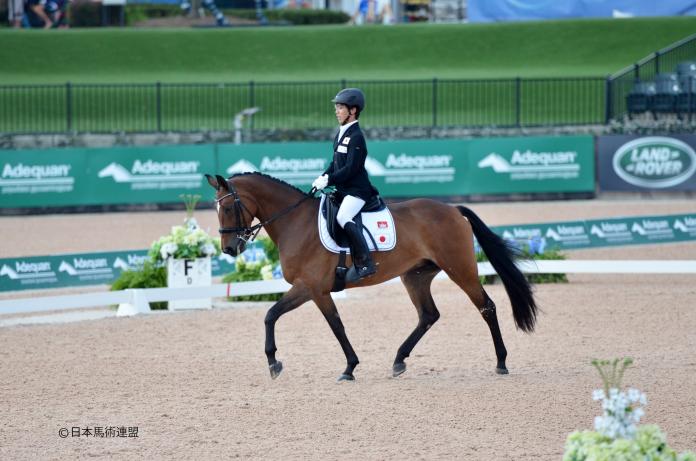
(342, 114)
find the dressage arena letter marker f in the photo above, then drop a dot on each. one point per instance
(187, 266)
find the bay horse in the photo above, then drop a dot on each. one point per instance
(431, 236)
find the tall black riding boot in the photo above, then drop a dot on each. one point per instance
(362, 260)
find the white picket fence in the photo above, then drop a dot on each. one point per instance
(136, 301)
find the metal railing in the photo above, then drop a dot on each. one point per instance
(167, 107)
(663, 61)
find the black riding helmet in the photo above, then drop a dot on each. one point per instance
(351, 97)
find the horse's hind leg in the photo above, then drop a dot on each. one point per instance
(469, 282)
(417, 282)
(489, 315)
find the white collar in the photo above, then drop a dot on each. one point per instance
(345, 127)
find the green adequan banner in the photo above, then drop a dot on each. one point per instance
(397, 169)
(436, 167)
(603, 232)
(81, 269)
(419, 168)
(531, 165)
(36, 178)
(121, 175)
(156, 174)
(103, 268)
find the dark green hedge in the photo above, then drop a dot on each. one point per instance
(295, 17)
(88, 14)
(84, 13)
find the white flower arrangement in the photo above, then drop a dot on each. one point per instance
(621, 412)
(617, 435)
(188, 241)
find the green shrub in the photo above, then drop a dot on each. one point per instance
(150, 276)
(85, 13)
(254, 271)
(650, 445)
(295, 16)
(136, 13)
(549, 254)
(4, 21)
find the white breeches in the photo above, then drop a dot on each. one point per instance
(349, 208)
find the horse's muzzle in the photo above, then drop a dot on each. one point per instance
(234, 250)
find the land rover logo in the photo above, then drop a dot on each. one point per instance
(655, 162)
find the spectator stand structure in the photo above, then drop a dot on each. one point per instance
(660, 85)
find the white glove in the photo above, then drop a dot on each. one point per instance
(321, 182)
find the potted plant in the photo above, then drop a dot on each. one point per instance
(187, 251)
(617, 435)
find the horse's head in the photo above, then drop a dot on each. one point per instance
(235, 215)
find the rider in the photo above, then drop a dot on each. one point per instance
(347, 172)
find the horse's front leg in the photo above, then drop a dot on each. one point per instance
(328, 308)
(295, 297)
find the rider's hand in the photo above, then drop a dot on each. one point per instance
(321, 182)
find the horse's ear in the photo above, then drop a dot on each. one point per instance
(212, 181)
(222, 182)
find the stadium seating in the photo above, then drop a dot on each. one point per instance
(673, 92)
(640, 98)
(666, 92)
(686, 68)
(686, 100)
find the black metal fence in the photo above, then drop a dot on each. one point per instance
(164, 107)
(664, 82)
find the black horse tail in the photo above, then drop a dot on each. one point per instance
(502, 256)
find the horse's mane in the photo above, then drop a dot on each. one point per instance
(272, 178)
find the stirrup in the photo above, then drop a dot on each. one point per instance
(354, 274)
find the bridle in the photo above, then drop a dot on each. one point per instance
(242, 230)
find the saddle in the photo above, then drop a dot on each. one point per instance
(330, 208)
(333, 237)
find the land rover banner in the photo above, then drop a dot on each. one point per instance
(642, 163)
(531, 165)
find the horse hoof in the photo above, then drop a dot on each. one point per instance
(398, 369)
(345, 377)
(501, 371)
(275, 369)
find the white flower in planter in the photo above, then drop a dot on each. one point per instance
(621, 412)
(209, 249)
(168, 249)
(187, 241)
(192, 224)
(617, 435)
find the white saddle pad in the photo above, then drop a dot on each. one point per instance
(379, 223)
